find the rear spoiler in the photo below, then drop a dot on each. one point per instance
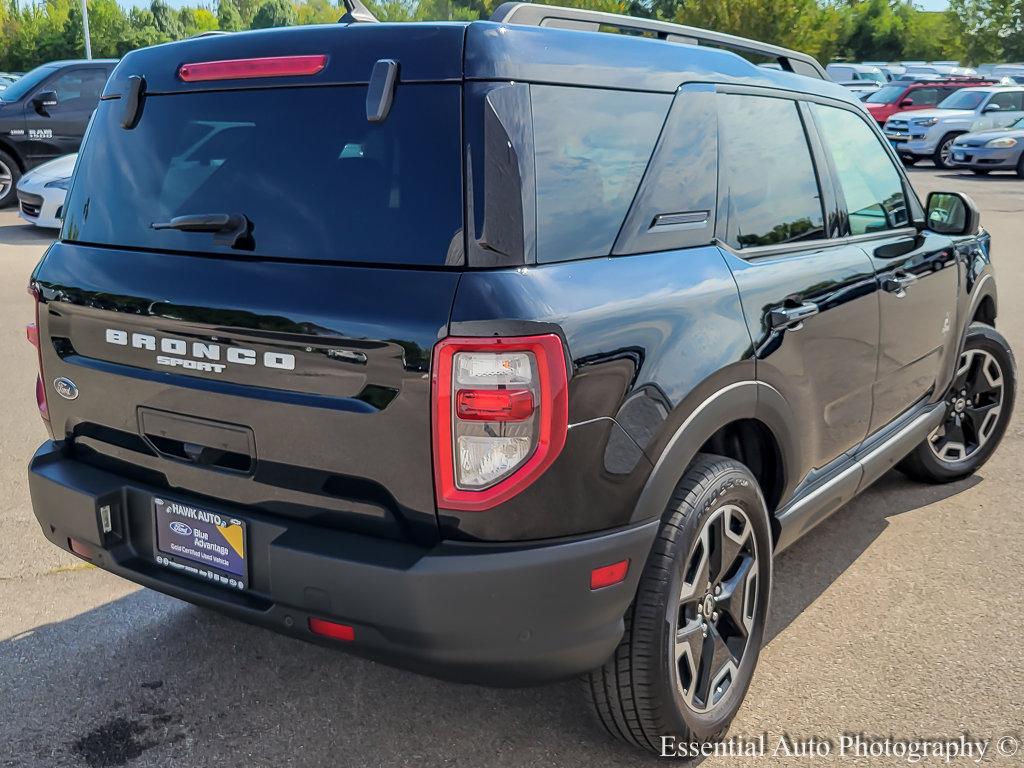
(535, 15)
(356, 12)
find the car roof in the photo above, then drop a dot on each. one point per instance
(79, 62)
(577, 57)
(951, 81)
(856, 67)
(994, 88)
(429, 51)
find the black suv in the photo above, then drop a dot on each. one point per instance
(458, 347)
(43, 115)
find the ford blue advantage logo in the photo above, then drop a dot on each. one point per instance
(65, 388)
(180, 528)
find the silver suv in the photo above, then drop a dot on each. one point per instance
(929, 133)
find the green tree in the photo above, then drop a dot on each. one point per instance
(992, 30)
(166, 20)
(196, 20)
(228, 17)
(247, 9)
(274, 13)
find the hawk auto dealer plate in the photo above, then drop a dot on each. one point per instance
(201, 543)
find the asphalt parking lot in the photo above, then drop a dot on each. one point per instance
(900, 616)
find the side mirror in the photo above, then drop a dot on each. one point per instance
(908, 102)
(45, 99)
(952, 213)
(991, 108)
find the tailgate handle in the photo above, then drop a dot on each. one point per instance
(211, 444)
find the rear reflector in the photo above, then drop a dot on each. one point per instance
(32, 333)
(242, 69)
(331, 629)
(607, 575)
(80, 549)
(44, 409)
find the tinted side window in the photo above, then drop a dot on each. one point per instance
(768, 182)
(1008, 102)
(592, 147)
(78, 86)
(927, 96)
(868, 179)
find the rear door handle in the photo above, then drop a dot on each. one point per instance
(792, 318)
(898, 282)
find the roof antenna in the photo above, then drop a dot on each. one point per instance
(355, 12)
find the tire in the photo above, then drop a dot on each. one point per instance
(980, 171)
(10, 173)
(1020, 166)
(638, 695)
(909, 160)
(969, 433)
(942, 152)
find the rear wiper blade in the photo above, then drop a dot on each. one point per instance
(231, 229)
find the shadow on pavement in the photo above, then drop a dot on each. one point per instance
(25, 234)
(147, 680)
(964, 175)
(808, 568)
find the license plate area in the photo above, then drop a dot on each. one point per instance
(201, 543)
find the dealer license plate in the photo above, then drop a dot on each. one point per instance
(201, 543)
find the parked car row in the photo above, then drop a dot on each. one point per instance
(43, 116)
(931, 133)
(909, 96)
(882, 72)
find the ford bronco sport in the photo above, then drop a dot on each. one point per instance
(453, 345)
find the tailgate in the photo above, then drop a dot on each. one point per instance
(302, 390)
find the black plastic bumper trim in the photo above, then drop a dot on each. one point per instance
(485, 613)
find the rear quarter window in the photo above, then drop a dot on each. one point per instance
(591, 148)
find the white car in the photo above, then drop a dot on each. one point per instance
(42, 190)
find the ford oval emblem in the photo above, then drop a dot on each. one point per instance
(180, 528)
(65, 388)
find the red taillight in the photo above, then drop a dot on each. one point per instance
(607, 575)
(501, 411)
(32, 332)
(332, 629)
(494, 404)
(241, 69)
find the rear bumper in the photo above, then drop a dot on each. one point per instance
(484, 613)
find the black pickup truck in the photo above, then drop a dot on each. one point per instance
(454, 346)
(44, 114)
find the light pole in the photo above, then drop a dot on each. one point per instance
(85, 29)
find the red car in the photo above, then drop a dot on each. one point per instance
(908, 96)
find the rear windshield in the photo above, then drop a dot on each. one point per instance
(963, 100)
(886, 95)
(312, 175)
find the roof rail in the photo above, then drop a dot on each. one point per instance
(535, 15)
